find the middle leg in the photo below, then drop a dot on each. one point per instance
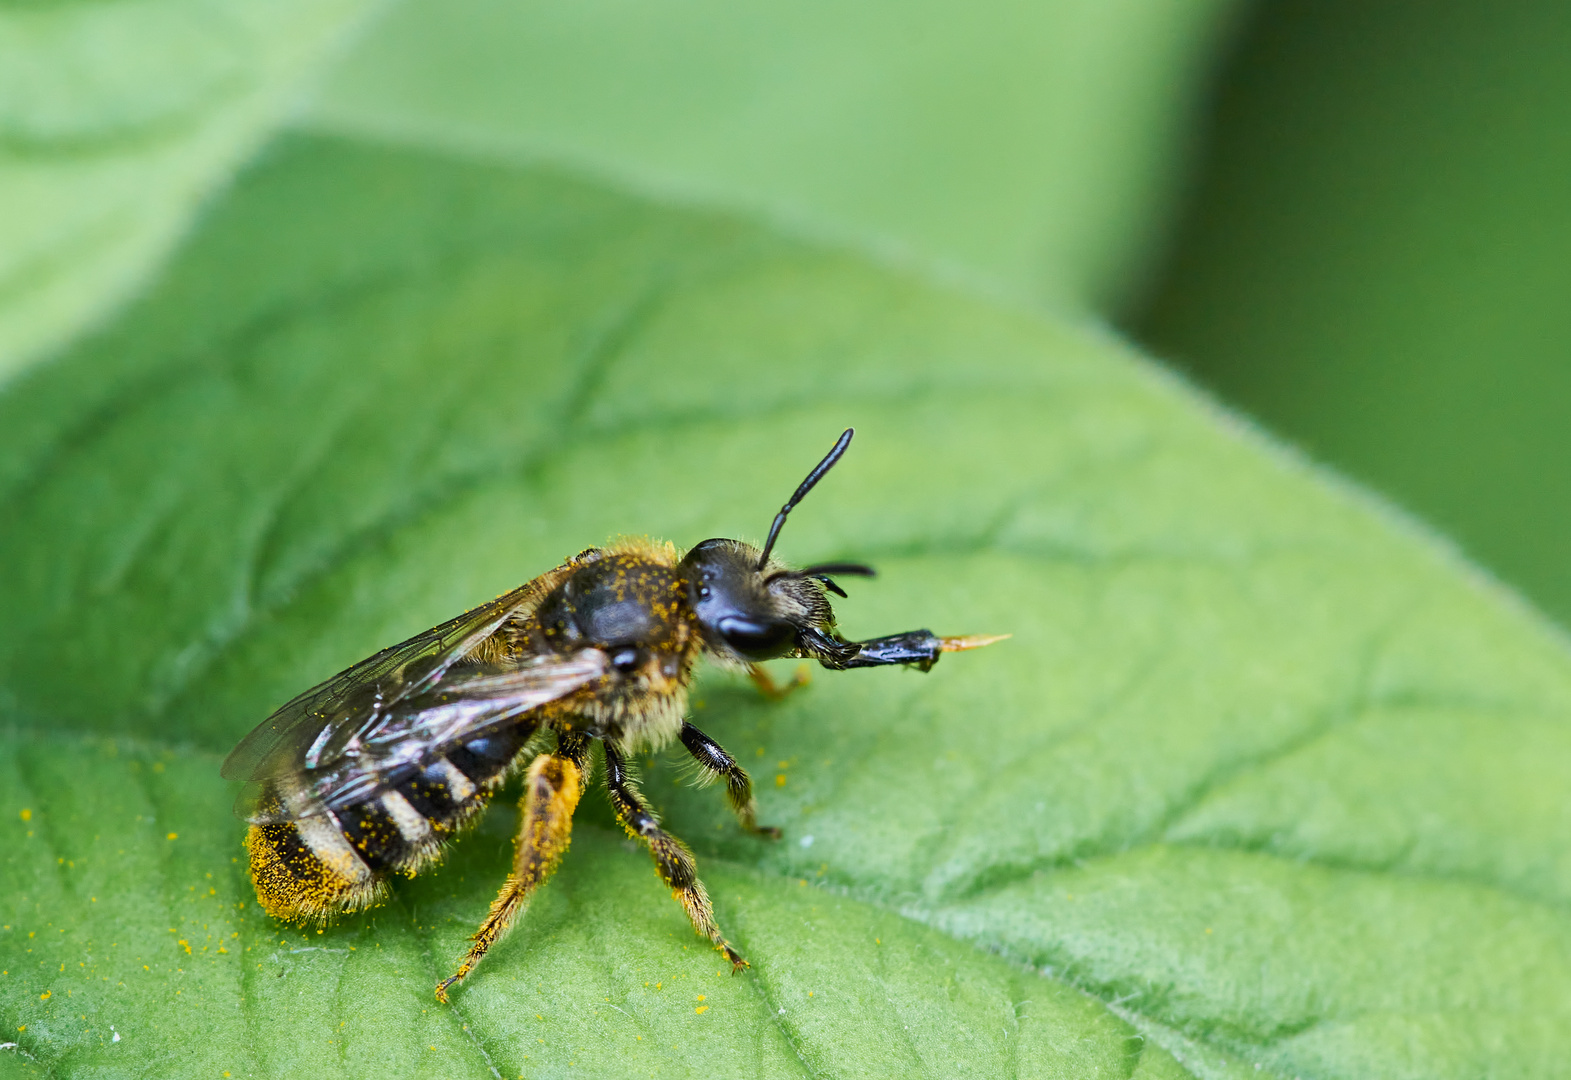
(713, 759)
(672, 859)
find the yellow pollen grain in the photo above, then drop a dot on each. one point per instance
(45, 995)
(701, 1009)
(780, 779)
(27, 815)
(172, 836)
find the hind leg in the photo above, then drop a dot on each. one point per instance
(551, 790)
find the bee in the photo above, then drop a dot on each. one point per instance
(370, 774)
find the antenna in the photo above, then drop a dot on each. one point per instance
(801, 492)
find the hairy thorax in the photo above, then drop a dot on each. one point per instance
(629, 602)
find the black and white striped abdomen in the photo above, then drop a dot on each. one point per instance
(327, 861)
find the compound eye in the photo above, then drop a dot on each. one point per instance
(757, 639)
(625, 660)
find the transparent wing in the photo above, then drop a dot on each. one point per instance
(313, 730)
(466, 704)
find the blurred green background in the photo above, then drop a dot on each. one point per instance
(1376, 261)
(1034, 145)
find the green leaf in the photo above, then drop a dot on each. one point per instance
(1036, 144)
(116, 120)
(1265, 784)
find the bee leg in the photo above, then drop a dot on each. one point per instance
(575, 747)
(673, 861)
(713, 759)
(773, 690)
(916, 648)
(551, 790)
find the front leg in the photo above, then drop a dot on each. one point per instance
(917, 648)
(673, 861)
(773, 690)
(713, 759)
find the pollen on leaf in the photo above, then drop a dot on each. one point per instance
(27, 815)
(172, 836)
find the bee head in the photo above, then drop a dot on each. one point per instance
(751, 608)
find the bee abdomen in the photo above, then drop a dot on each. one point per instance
(389, 834)
(443, 795)
(306, 869)
(334, 861)
(485, 760)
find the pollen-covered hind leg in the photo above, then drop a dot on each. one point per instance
(713, 759)
(673, 861)
(551, 790)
